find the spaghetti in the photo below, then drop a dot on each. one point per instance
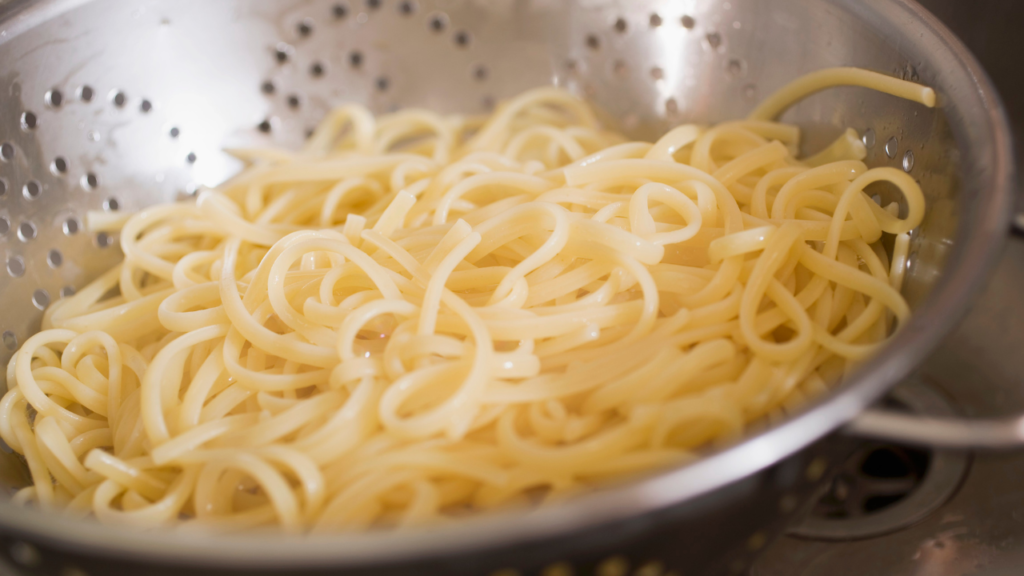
(419, 316)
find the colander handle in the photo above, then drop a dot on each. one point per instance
(943, 432)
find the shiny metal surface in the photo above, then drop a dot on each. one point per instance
(920, 497)
(152, 90)
(980, 530)
(991, 32)
(939, 432)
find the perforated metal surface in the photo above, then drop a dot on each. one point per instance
(132, 103)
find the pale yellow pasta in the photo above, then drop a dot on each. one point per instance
(419, 316)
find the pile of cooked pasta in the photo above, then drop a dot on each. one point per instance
(421, 316)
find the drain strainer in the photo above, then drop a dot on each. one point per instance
(883, 487)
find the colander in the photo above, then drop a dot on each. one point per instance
(119, 104)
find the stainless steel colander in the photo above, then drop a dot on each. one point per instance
(118, 104)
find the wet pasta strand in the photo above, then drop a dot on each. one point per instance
(420, 315)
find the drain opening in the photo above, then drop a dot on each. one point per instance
(883, 487)
(876, 477)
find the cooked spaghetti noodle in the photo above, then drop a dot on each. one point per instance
(419, 316)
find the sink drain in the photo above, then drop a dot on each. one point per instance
(875, 478)
(882, 487)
